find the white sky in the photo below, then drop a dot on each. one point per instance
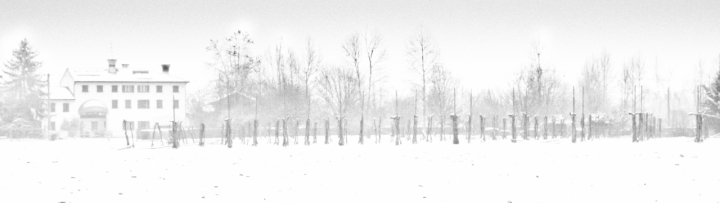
(482, 42)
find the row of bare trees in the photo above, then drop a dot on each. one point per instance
(284, 83)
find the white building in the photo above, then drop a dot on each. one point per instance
(98, 100)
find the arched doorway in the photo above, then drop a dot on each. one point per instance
(93, 121)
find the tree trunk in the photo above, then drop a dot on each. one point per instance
(396, 126)
(297, 131)
(482, 127)
(414, 130)
(127, 139)
(573, 130)
(340, 131)
(202, 135)
(442, 128)
(535, 129)
(582, 127)
(285, 141)
(455, 129)
(469, 128)
(545, 127)
(526, 126)
(327, 131)
(277, 132)
(361, 130)
(255, 132)
(315, 132)
(379, 130)
(428, 136)
(513, 128)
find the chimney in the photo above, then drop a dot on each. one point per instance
(111, 66)
(166, 68)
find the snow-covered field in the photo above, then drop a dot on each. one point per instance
(603, 170)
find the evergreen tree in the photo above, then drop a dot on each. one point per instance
(25, 96)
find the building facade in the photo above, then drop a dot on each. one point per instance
(96, 102)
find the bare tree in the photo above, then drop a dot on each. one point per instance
(423, 54)
(352, 51)
(528, 98)
(631, 77)
(439, 98)
(233, 62)
(596, 80)
(338, 89)
(375, 54)
(312, 62)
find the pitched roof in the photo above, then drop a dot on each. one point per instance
(123, 75)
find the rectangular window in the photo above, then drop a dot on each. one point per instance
(66, 107)
(114, 88)
(176, 104)
(128, 104)
(52, 107)
(176, 89)
(158, 89)
(114, 104)
(52, 125)
(143, 104)
(159, 104)
(84, 88)
(99, 88)
(94, 126)
(144, 88)
(128, 88)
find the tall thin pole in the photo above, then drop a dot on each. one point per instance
(47, 129)
(668, 107)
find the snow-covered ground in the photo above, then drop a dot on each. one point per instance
(603, 170)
